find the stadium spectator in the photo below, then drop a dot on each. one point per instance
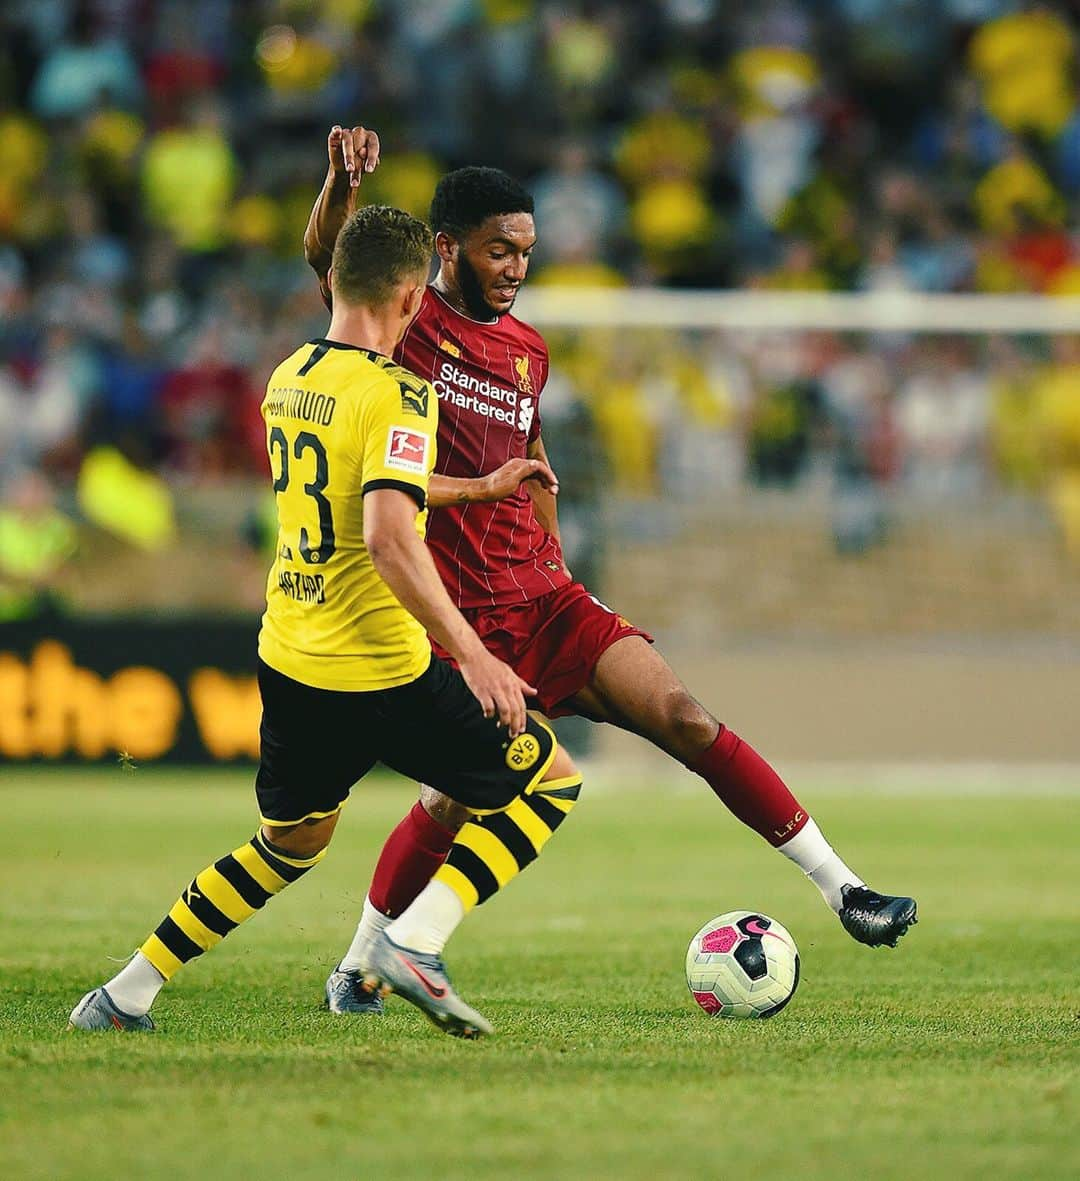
(82, 68)
(56, 398)
(132, 376)
(1024, 61)
(181, 62)
(942, 414)
(581, 209)
(203, 407)
(774, 86)
(36, 540)
(188, 175)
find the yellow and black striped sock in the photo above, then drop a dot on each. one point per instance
(221, 898)
(490, 850)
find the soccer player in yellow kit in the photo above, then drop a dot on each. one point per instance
(346, 672)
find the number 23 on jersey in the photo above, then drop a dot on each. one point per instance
(304, 442)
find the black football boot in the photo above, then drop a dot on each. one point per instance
(878, 920)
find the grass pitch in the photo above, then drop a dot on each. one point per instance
(954, 1056)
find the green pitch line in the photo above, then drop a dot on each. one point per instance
(955, 1056)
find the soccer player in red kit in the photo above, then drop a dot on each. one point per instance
(502, 563)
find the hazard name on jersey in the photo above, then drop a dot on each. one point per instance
(304, 588)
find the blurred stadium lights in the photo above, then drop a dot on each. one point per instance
(276, 45)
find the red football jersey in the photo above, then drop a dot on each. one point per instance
(488, 378)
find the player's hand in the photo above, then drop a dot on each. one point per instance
(506, 480)
(354, 151)
(500, 691)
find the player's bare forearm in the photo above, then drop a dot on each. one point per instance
(352, 153)
(332, 206)
(496, 485)
(444, 491)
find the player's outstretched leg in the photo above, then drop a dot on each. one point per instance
(473, 858)
(217, 901)
(633, 687)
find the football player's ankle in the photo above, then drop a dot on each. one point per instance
(430, 921)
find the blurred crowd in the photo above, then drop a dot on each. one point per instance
(160, 158)
(939, 418)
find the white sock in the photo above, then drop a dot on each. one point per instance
(372, 921)
(135, 987)
(813, 854)
(429, 921)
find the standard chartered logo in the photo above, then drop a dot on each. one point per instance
(458, 388)
(451, 374)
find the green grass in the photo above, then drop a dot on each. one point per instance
(954, 1056)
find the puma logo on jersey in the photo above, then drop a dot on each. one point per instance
(407, 450)
(414, 396)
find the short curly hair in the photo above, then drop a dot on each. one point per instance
(378, 247)
(469, 196)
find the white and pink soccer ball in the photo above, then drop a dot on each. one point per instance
(742, 964)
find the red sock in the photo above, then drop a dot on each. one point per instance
(411, 855)
(750, 788)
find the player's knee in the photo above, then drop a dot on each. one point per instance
(687, 726)
(443, 810)
(303, 840)
(562, 767)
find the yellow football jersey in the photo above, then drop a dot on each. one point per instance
(340, 421)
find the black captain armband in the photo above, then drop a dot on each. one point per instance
(401, 485)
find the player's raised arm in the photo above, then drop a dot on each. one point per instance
(353, 153)
(405, 564)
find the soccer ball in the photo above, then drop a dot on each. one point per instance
(742, 964)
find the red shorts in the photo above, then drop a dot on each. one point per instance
(552, 642)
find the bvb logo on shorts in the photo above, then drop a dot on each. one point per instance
(523, 752)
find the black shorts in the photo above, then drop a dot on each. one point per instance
(316, 743)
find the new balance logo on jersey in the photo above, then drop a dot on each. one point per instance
(407, 450)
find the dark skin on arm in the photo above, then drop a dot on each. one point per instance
(352, 152)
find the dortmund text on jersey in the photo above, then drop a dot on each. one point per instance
(342, 421)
